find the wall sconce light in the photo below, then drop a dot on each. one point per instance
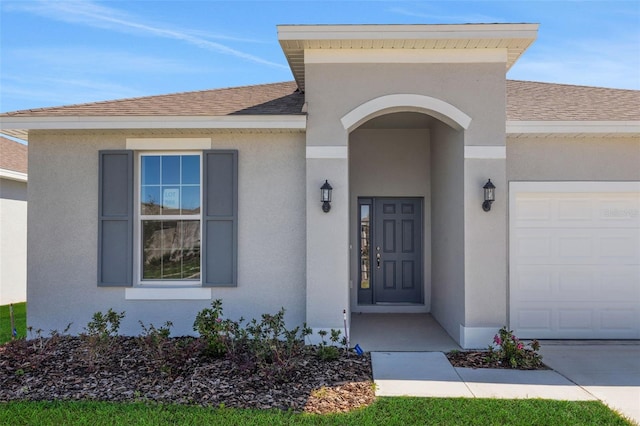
(489, 195)
(325, 196)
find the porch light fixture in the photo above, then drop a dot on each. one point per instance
(489, 195)
(325, 196)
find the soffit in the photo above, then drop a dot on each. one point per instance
(295, 39)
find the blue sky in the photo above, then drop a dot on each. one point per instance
(65, 52)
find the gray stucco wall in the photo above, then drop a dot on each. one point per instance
(333, 90)
(62, 240)
(389, 163)
(563, 158)
(478, 90)
(13, 241)
(447, 215)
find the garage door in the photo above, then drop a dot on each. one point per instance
(575, 260)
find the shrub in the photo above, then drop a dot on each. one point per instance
(265, 345)
(512, 352)
(209, 325)
(99, 332)
(327, 352)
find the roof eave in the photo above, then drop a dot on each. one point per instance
(296, 39)
(291, 122)
(13, 175)
(572, 128)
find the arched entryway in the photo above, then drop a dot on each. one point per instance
(406, 192)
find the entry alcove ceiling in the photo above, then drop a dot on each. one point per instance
(400, 120)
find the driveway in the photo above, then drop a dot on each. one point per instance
(608, 371)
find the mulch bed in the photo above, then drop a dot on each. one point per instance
(128, 369)
(479, 359)
(66, 368)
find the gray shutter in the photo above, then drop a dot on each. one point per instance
(115, 219)
(220, 248)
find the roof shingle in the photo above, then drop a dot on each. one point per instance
(534, 101)
(264, 99)
(13, 155)
(526, 101)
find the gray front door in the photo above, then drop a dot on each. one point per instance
(396, 252)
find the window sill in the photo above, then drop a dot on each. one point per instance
(189, 293)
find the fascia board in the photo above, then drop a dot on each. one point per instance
(156, 122)
(394, 32)
(572, 127)
(13, 175)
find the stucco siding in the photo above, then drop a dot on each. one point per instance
(333, 90)
(62, 239)
(561, 158)
(447, 215)
(13, 241)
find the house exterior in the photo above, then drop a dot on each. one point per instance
(13, 221)
(155, 206)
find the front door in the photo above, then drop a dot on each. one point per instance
(395, 251)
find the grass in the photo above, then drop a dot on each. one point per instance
(20, 318)
(388, 411)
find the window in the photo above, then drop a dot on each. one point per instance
(169, 213)
(186, 218)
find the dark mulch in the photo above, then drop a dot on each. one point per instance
(480, 359)
(66, 368)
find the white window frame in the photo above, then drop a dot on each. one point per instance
(139, 217)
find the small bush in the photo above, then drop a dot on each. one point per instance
(99, 333)
(513, 353)
(326, 352)
(209, 325)
(264, 345)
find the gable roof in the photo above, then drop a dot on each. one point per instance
(13, 156)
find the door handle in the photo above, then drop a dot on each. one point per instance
(378, 260)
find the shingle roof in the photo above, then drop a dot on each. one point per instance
(13, 155)
(533, 101)
(526, 101)
(264, 99)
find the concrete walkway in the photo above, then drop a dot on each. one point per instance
(429, 374)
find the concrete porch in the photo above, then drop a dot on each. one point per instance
(399, 333)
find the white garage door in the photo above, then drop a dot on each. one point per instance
(575, 260)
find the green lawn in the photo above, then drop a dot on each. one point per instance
(20, 317)
(385, 411)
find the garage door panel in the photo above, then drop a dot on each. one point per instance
(574, 210)
(575, 262)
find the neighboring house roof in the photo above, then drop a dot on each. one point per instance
(532, 107)
(13, 160)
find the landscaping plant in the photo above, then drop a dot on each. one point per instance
(512, 352)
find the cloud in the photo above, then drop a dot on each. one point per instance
(83, 59)
(59, 91)
(94, 15)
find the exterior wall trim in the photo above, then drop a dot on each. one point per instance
(296, 122)
(573, 127)
(406, 102)
(327, 152)
(485, 152)
(13, 175)
(161, 144)
(138, 293)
